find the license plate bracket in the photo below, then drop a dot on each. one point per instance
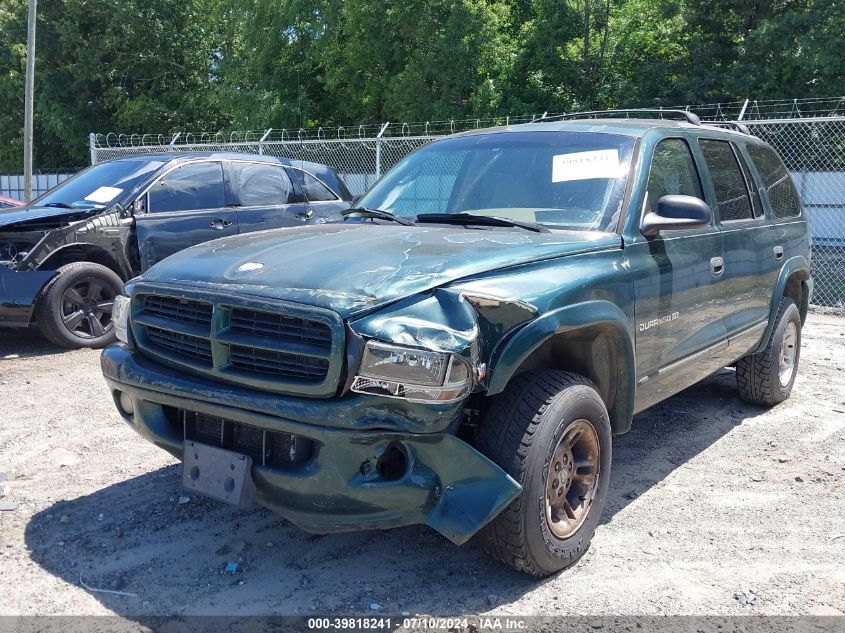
(218, 473)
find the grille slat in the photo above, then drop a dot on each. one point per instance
(264, 361)
(182, 310)
(280, 326)
(183, 344)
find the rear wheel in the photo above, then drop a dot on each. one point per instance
(550, 431)
(767, 378)
(76, 309)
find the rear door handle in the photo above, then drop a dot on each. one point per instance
(778, 251)
(717, 266)
(219, 224)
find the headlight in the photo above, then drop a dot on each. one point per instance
(120, 318)
(413, 374)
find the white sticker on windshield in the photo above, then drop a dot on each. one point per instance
(601, 163)
(104, 194)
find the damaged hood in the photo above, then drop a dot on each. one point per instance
(10, 217)
(354, 267)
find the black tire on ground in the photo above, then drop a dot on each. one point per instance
(767, 378)
(539, 413)
(75, 309)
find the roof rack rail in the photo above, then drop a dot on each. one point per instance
(677, 115)
(736, 125)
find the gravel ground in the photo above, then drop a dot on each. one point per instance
(715, 508)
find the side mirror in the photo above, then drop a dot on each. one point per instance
(676, 213)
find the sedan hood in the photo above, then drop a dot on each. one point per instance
(9, 217)
(352, 268)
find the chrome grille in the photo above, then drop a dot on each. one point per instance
(281, 347)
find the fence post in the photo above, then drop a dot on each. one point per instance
(92, 145)
(378, 149)
(262, 139)
(742, 112)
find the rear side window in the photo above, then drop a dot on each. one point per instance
(260, 185)
(189, 187)
(672, 172)
(776, 181)
(313, 189)
(731, 191)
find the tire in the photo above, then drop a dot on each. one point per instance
(767, 378)
(527, 423)
(75, 310)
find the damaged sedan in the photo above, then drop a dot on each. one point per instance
(65, 256)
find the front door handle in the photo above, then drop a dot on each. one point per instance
(307, 215)
(778, 251)
(219, 224)
(717, 266)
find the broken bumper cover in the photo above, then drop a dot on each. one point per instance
(445, 484)
(19, 290)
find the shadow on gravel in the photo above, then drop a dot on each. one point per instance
(20, 343)
(136, 537)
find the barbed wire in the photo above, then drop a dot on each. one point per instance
(724, 111)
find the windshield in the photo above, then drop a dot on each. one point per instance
(99, 185)
(564, 180)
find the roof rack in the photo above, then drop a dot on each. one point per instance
(735, 125)
(677, 115)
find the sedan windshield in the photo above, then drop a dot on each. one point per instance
(562, 180)
(99, 185)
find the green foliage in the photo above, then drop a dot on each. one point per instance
(166, 65)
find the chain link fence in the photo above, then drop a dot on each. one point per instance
(813, 149)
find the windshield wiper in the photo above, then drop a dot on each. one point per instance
(482, 220)
(378, 214)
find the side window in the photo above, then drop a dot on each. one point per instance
(672, 172)
(776, 181)
(189, 187)
(731, 192)
(257, 184)
(313, 189)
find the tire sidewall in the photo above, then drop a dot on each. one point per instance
(550, 552)
(50, 306)
(789, 313)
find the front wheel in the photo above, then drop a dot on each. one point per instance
(75, 311)
(550, 431)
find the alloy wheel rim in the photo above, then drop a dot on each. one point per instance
(788, 350)
(86, 308)
(572, 478)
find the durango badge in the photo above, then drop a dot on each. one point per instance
(653, 322)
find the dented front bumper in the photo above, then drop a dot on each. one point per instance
(443, 482)
(19, 291)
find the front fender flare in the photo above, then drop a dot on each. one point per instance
(510, 357)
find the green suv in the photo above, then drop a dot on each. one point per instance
(460, 351)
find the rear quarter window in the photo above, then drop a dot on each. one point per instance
(776, 181)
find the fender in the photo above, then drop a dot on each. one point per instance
(799, 264)
(104, 231)
(519, 347)
(114, 253)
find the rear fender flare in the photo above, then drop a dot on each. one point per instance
(795, 264)
(510, 357)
